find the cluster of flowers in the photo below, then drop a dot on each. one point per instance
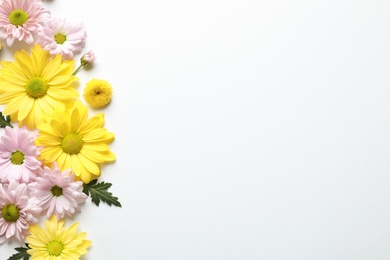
(51, 151)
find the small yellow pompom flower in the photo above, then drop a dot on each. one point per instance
(98, 93)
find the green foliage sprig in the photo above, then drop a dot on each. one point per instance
(99, 192)
(22, 253)
(5, 121)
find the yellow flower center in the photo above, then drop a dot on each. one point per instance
(36, 87)
(10, 213)
(60, 38)
(18, 17)
(72, 143)
(17, 158)
(56, 190)
(54, 248)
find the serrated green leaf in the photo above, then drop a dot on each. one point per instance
(99, 192)
(22, 254)
(5, 121)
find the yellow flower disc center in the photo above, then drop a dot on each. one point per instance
(10, 213)
(36, 87)
(56, 190)
(18, 17)
(60, 38)
(17, 158)
(72, 143)
(54, 248)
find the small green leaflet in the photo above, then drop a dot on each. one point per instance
(5, 121)
(99, 192)
(21, 255)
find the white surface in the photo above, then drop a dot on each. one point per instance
(245, 130)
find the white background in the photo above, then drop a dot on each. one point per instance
(245, 130)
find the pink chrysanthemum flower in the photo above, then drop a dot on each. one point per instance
(88, 58)
(20, 19)
(18, 156)
(18, 212)
(61, 37)
(57, 192)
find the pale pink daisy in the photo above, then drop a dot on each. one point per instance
(57, 192)
(20, 19)
(18, 212)
(58, 36)
(88, 58)
(18, 156)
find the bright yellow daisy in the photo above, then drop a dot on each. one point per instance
(76, 142)
(56, 241)
(33, 85)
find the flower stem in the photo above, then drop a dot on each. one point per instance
(77, 70)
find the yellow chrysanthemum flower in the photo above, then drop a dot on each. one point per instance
(56, 241)
(76, 142)
(98, 93)
(34, 85)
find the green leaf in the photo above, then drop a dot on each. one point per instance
(99, 192)
(22, 253)
(5, 121)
